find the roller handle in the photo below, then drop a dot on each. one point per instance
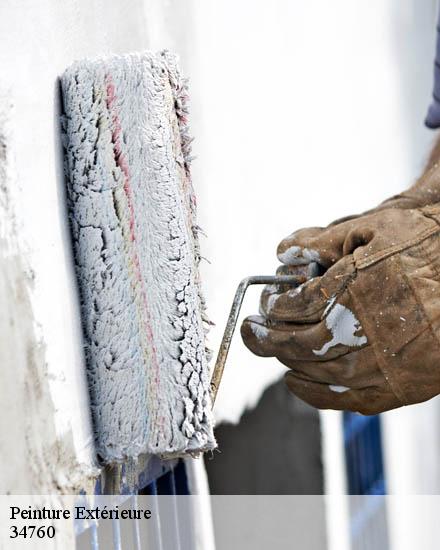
(233, 318)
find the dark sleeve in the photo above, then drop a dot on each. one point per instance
(433, 117)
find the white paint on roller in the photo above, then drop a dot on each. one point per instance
(343, 325)
(132, 212)
(339, 389)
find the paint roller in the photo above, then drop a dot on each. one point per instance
(132, 213)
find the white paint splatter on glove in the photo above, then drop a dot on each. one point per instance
(343, 325)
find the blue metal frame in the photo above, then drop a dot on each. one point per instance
(366, 477)
(363, 454)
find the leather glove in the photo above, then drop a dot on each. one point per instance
(364, 336)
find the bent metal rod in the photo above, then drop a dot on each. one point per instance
(233, 318)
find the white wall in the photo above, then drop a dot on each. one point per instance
(38, 40)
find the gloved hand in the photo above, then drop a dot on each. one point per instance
(364, 336)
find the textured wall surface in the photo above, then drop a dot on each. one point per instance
(35, 459)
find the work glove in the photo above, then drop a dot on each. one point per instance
(364, 335)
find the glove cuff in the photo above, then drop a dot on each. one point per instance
(401, 317)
